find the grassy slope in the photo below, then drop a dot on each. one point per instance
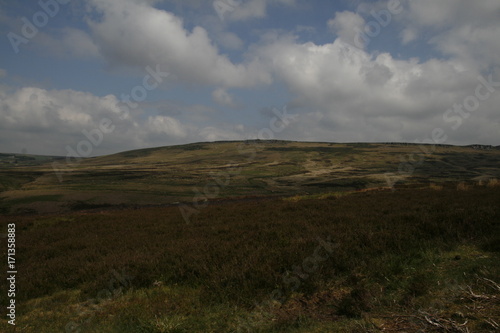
(174, 174)
(401, 261)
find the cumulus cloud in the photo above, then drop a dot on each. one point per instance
(229, 40)
(446, 13)
(222, 97)
(361, 97)
(347, 26)
(166, 127)
(222, 132)
(47, 120)
(128, 28)
(476, 46)
(350, 94)
(238, 10)
(408, 36)
(56, 122)
(34, 107)
(342, 93)
(460, 29)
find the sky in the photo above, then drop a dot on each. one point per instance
(95, 77)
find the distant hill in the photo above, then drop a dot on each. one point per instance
(221, 170)
(7, 160)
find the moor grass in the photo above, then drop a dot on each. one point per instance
(406, 260)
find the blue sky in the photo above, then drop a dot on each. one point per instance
(344, 71)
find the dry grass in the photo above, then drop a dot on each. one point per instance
(493, 182)
(462, 186)
(436, 187)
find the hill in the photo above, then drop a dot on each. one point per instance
(221, 170)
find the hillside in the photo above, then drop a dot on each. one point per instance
(220, 170)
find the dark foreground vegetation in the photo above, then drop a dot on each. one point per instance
(377, 261)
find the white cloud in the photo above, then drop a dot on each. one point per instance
(248, 10)
(350, 95)
(408, 36)
(222, 132)
(34, 107)
(43, 121)
(3, 72)
(438, 14)
(342, 93)
(237, 10)
(230, 41)
(479, 47)
(127, 29)
(222, 97)
(166, 126)
(462, 29)
(221, 36)
(347, 25)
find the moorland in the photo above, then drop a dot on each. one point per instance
(273, 236)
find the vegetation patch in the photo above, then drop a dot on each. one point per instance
(413, 260)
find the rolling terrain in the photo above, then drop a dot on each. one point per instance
(221, 170)
(256, 236)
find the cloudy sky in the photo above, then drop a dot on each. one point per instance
(101, 76)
